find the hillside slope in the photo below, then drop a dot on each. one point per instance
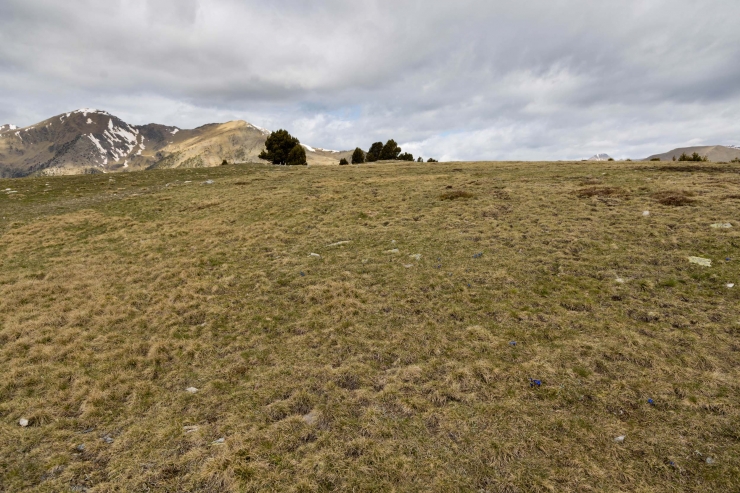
(92, 141)
(715, 154)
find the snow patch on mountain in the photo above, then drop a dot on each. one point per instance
(309, 148)
(7, 127)
(600, 157)
(263, 130)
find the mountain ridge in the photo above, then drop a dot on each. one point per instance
(715, 153)
(94, 141)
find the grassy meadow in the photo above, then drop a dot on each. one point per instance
(463, 327)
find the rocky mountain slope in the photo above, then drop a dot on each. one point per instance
(713, 153)
(94, 141)
(600, 157)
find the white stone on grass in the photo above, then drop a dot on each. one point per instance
(646, 213)
(416, 256)
(315, 255)
(339, 243)
(191, 390)
(395, 250)
(701, 261)
(721, 225)
(620, 439)
(23, 422)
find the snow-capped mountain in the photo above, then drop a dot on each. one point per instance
(600, 157)
(90, 141)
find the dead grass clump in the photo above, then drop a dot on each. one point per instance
(601, 192)
(456, 194)
(732, 197)
(676, 198)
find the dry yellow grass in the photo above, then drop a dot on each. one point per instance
(365, 368)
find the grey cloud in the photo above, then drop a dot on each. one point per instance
(466, 79)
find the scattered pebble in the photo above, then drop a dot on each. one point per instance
(80, 447)
(218, 442)
(512, 343)
(188, 182)
(710, 461)
(208, 182)
(620, 439)
(315, 255)
(730, 285)
(190, 429)
(191, 390)
(339, 243)
(646, 213)
(416, 256)
(619, 280)
(721, 225)
(107, 439)
(701, 261)
(408, 266)
(478, 255)
(395, 250)
(303, 274)
(23, 422)
(393, 242)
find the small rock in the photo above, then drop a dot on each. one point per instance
(619, 280)
(339, 243)
(478, 255)
(107, 439)
(710, 461)
(416, 256)
(208, 182)
(220, 441)
(646, 213)
(80, 447)
(721, 225)
(190, 429)
(512, 343)
(393, 242)
(408, 266)
(303, 274)
(620, 439)
(730, 285)
(395, 250)
(315, 255)
(23, 422)
(701, 261)
(191, 390)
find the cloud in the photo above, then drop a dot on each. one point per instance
(543, 79)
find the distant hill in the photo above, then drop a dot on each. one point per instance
(94, 141)
(600, 157)
(713, 153)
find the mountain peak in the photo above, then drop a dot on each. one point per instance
(7, 127)
(600, 157)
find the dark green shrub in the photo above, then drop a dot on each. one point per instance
(374, 153)
(343, 161)
(432, 160)
(406, 157)
(297, 156)
(695, 157)
(358, 157)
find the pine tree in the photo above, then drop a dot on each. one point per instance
(358, 157)
(279, 145)
(374, 153)
(343, 161)
(390, 151)
(406, 157)
(297, 156)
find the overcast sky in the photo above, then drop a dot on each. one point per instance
(458, 79)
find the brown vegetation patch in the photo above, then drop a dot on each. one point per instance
(456, 194)
(601, 192)
(698, 169)
(676, 198)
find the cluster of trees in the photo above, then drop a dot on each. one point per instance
(694, 157)
(390, 151)
(283, 148)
